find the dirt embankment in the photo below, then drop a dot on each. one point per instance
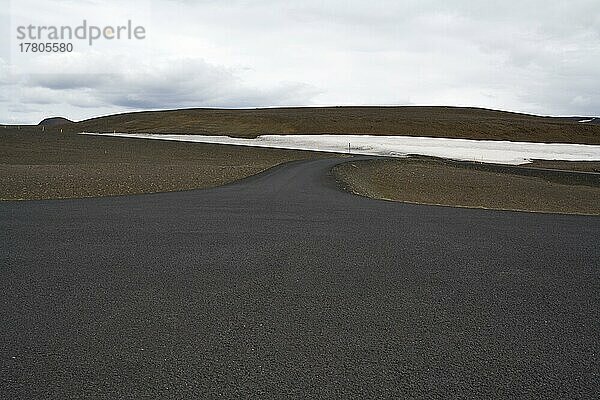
(36, 165)
(432, 181)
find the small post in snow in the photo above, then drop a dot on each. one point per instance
(348, 147)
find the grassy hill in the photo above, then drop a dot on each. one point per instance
(454, 122)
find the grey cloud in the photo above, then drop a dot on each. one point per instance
(176, 83)
(66, 81)
(534, 56)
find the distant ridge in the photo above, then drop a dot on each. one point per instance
(432, 121)
(55, 121)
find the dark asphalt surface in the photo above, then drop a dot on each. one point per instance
(284, 286)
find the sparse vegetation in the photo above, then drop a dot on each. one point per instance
(453, 122)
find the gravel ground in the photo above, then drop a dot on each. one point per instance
(36, 165)
(431, 181)
(584, 166)
(283, 286)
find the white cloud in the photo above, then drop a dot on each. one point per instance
(530, 56)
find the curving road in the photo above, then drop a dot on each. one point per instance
(281, 285)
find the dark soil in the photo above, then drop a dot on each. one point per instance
(36, 165)
(432, 181)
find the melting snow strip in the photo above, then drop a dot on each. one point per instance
(487, 151)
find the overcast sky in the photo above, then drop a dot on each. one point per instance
(539, 57)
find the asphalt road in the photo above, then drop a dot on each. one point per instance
(281, 285)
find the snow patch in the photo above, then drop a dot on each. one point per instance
(487, 151)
